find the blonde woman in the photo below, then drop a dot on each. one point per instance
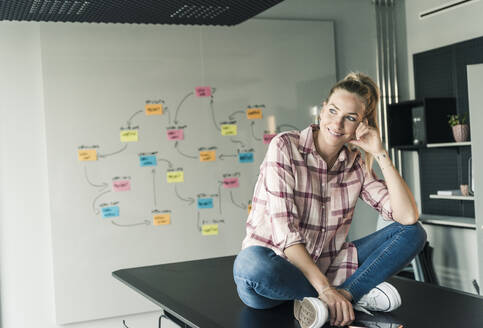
(302, 207)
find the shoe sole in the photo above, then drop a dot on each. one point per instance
(306, 313)
(390, 289)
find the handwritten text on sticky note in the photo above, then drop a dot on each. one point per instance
(207, 155)
(147, 160)
(205, 203)
(228, 130)
(175, 176)
(254, 113)
(110, 212)
(121, 185)
(245, 157)
(129, 136)
(87, 154)
(154, 109)
(230, 183)
(175, 134)
(209, 229)
(203, 91)
(161, 219)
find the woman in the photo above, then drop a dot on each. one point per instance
(309, 183)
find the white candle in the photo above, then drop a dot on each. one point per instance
(271, 125)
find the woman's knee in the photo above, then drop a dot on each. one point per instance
(251, 261)
(417, 234)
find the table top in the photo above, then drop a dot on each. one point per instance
(202, 294)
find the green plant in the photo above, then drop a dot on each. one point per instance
(457, 119)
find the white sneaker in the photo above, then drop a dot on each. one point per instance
(310, 312)
(384, 297)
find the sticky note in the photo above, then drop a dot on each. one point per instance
(245, 157)
(121, 185)
(249, 208)
(205, 203)
(209, 229)
(207, 155)
(110, 212)
(175, 176)
(230, 183)
(228, 130)
(87, 155)
(154, 109)
(268, 137)
(148, 160)
(161, 219)
(129, 135)
(203, 91)
(254, 113)
(175, 134)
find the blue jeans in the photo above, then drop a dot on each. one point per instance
(264, 279)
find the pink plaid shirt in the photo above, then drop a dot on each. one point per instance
(297, 200)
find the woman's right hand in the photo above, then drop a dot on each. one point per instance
(340, 309)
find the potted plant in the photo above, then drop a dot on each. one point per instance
(461, 129)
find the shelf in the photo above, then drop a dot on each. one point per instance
(452, 197)
(449, 144)
(451, 221)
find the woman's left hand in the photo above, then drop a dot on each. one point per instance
(367, 138)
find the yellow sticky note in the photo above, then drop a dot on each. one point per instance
(254, 113)
(87, 154)
(129, 136)
(154, 109)
(249, 208)
(161, 219)
(207, 156)
(175, 176)
(209, 229)
(228, 130)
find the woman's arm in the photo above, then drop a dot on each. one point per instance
(403, 205)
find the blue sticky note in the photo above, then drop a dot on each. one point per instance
(148, 160)
(205, 202)
(110, 212)
(245, 157)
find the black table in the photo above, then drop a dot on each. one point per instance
(202, 294)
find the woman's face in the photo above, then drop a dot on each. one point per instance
(340, 116)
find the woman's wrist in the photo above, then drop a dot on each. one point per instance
(324, 289)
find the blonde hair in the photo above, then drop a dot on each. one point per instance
(368, 91)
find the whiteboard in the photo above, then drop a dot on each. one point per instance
(112, 204)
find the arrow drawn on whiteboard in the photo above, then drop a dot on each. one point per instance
(132, 116)
(103, 185)
(95, 199)
(167, 161)
(190, 200)
(114, 153)
(179, 106)
(166, 109)
(232, 115)
(154, 185)
(242, 206)
(219, 193)
(179, 151)
(253, 133)
(213, 114)
(237, 141)
(145, 222)
(223, 155)
(286, 126)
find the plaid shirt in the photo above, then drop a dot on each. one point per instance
(298, 200)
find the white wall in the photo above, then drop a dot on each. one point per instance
(455, 256)
(25, 240)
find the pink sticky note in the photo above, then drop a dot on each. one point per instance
(203, 91)
(268, 137)
(230, 183)
(121, 185)
(174, 134)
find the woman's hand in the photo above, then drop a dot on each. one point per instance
(340, 309)
(367, 137)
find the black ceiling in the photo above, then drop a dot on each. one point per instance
(185, 12)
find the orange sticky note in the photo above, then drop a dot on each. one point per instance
(161, 219)
(249, 208)
(207, 155)
(87, 155)
(154, 109)
(254, 114)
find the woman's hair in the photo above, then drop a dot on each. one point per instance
(368, 91)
